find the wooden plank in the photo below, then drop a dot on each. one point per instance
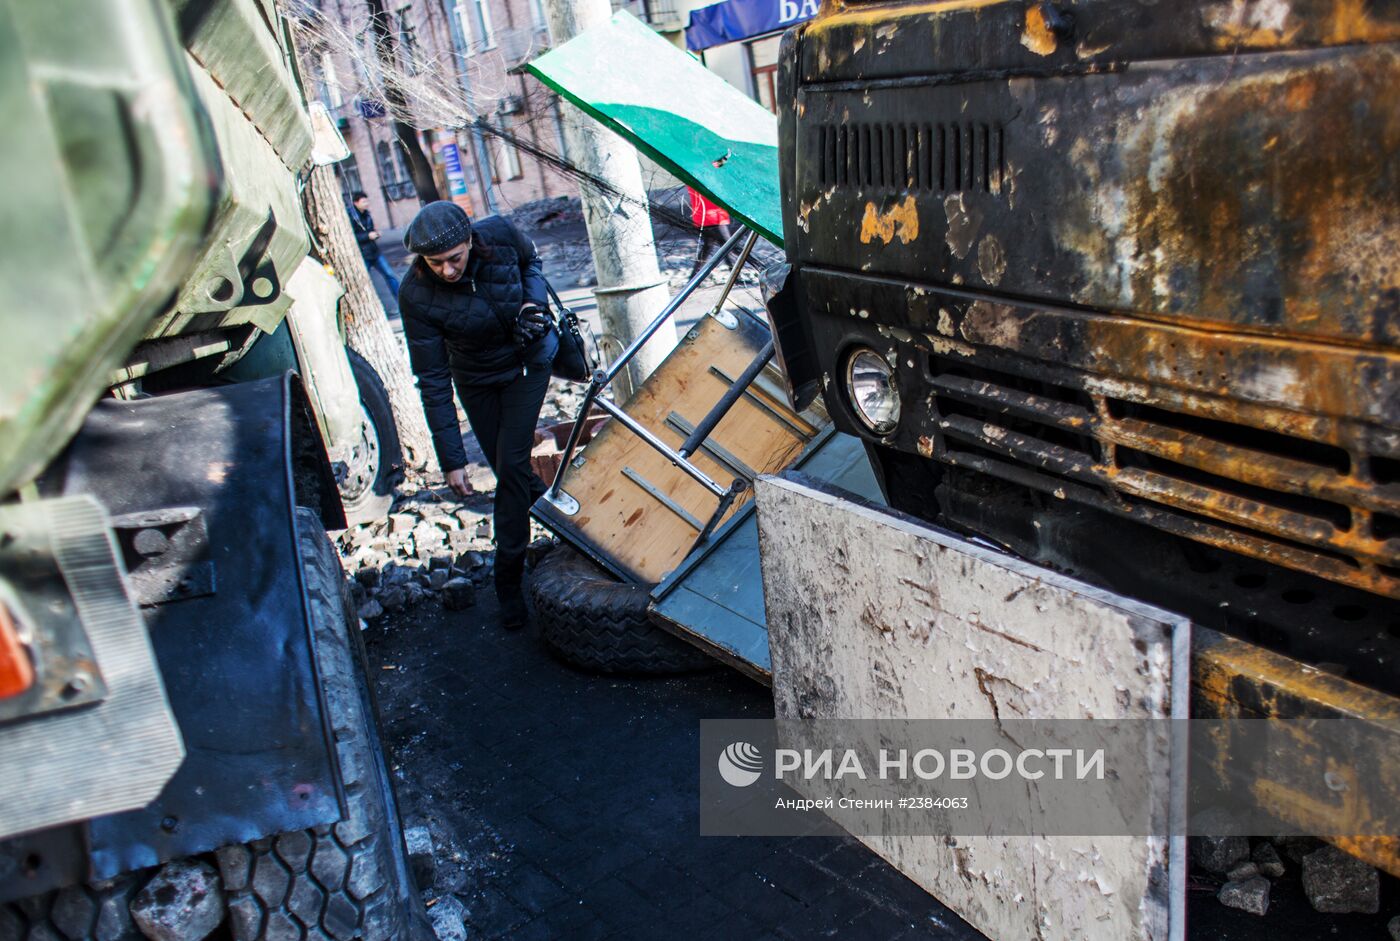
(619, 518)
(928, 626)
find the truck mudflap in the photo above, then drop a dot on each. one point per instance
(202, 487)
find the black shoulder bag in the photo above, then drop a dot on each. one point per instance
(578, 356)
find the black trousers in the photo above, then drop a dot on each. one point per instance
(503, 418)
(712, 239)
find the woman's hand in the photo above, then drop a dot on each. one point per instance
(457, 480)
(531, 323)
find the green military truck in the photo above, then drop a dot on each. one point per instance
(181, 674)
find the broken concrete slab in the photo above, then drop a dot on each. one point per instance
(932, 627)
(1249, 895)
(183, 902)
(1338, 882)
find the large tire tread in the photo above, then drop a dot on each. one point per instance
(375, 502)
(343, 881)
(601, 625)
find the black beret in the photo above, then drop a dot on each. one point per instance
(437, 227)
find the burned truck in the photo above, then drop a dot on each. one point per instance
(1114, 285)
(181, 675)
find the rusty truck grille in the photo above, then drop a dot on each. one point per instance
(1306, 504)
(931, 157)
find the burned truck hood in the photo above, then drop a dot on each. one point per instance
(1107, 155)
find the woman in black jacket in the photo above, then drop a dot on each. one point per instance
(474, 313)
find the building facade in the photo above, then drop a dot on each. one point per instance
(480, 127)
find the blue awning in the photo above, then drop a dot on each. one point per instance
(733, 20)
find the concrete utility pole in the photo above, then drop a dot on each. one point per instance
(631, 290)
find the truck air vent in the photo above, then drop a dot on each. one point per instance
(1292, 500)
(948, 157)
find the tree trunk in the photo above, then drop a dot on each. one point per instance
(367, 329)
(631, 290)
(420, 171)
(385, 46)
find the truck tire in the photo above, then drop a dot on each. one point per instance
(345, 880)
(368, 488)
(592, 621)
(99, 911)
(348, 880)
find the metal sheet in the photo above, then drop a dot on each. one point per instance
(929, 626)
(237, 664)
(1232, 679)
(677, 112)
(107, 756)
(715, 598)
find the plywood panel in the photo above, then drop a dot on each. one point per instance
(618, 518)
(873, 616)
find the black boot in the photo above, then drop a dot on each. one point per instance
(509, 577)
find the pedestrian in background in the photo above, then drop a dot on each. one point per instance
(367, 236)
(713, 223)
(474, 313)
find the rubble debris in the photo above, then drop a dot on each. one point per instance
(1338, 882)
(1219, 854)
(1394, 926)
(449, 918)
(1250, 895)
(458, 593)
(371, 610)
(419, 843)
(183, 902)
(1266, 857)
(393, 599)
(1245, 870)
(1296, 847)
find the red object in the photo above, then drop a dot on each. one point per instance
(16, 672)
(704, 213)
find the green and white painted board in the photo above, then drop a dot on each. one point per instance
(677, 112)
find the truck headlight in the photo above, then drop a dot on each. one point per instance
(871, 388)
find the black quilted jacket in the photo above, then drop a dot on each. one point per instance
(462, 332)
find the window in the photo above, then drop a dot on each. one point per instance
(409, 56)
(475, 17)
(393, 171)
(763, 63)
(328, 83)
(348, 172)
(509, 157)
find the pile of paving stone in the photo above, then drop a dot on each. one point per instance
(1334, 881)
(427, 547)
